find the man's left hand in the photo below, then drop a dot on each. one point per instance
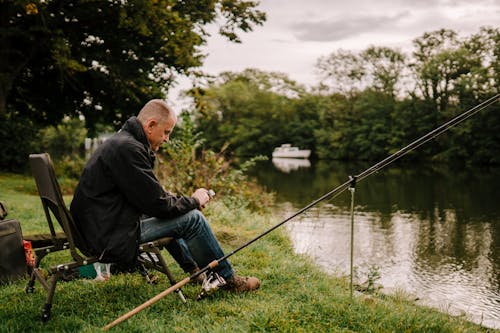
(202, 196)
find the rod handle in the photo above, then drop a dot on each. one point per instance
(147, 303)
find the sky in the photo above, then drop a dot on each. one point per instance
(298, 32)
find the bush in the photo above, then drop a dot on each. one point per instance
(65, 139)
(19, 138)
(65, 144)
(193, 167)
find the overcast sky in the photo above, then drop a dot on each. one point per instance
(298, 32)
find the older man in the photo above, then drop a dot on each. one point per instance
(118, 187)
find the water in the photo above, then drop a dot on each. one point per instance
(431, 231)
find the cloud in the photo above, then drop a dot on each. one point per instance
(298, 32)
(342, 28)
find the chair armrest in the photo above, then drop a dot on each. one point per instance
(43, 240)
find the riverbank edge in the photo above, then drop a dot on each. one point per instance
(296, 296)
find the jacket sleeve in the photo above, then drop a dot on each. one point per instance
(130, 168)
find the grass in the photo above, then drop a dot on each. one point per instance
(295, 295)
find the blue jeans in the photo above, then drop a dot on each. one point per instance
(196, 243)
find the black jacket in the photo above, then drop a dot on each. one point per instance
(117, 186)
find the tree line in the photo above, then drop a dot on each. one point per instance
(69, 64)
(367, 105)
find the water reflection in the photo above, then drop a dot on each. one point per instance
(432, 231)
(290, 164)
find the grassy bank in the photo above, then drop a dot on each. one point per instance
(295, 295)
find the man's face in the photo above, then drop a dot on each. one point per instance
(159, 132)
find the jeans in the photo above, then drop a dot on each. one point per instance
(196, 243)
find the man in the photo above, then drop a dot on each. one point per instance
(118, 187)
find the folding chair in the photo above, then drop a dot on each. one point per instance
(71, 239)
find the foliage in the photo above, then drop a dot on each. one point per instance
(65, 144)
(254, 111)
(370, 285)
(295, 295)
(342, 70)
(380, 68)
(67, 138)
(69, 168)
(335, 137)
(439, 61)
(464, 73)
(185, 166)
(18, 138)
(368, 105)
(103, 59)
(385, 66)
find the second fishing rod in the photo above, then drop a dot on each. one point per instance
(349, 183)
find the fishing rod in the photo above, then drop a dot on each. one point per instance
(350, 183)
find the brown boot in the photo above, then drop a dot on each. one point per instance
(242, 283)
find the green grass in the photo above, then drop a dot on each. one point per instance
(295, 295)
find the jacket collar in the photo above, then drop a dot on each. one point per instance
(134, 127)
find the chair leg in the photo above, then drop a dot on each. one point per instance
(169, 275)
(46, 310)
(163, 264)
(30, 288)
(144, 272)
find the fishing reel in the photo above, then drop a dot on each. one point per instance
(211, 283)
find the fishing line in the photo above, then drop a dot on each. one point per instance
(351, 182)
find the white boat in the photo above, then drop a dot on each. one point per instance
(287, 151)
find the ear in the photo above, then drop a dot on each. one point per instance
(150, 124)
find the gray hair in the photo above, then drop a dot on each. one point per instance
(155, 108)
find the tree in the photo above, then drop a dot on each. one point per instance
(385, 67)
(439, 60)
(252, 111)
(483, 50)
(343, 71)
(379, 68)
(334, 138)
(454, 75)
(102, 59)
(478, 139)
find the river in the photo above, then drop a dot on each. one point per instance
(429, 230)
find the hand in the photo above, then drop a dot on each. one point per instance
(202, 195)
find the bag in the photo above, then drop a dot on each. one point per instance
(12, 257)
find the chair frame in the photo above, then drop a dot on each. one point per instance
(70, 239)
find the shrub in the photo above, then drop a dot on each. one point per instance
(19, 138)
(65, 144)
(192, 167)
(65, 139)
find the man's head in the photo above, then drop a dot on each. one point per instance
(158, 121)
